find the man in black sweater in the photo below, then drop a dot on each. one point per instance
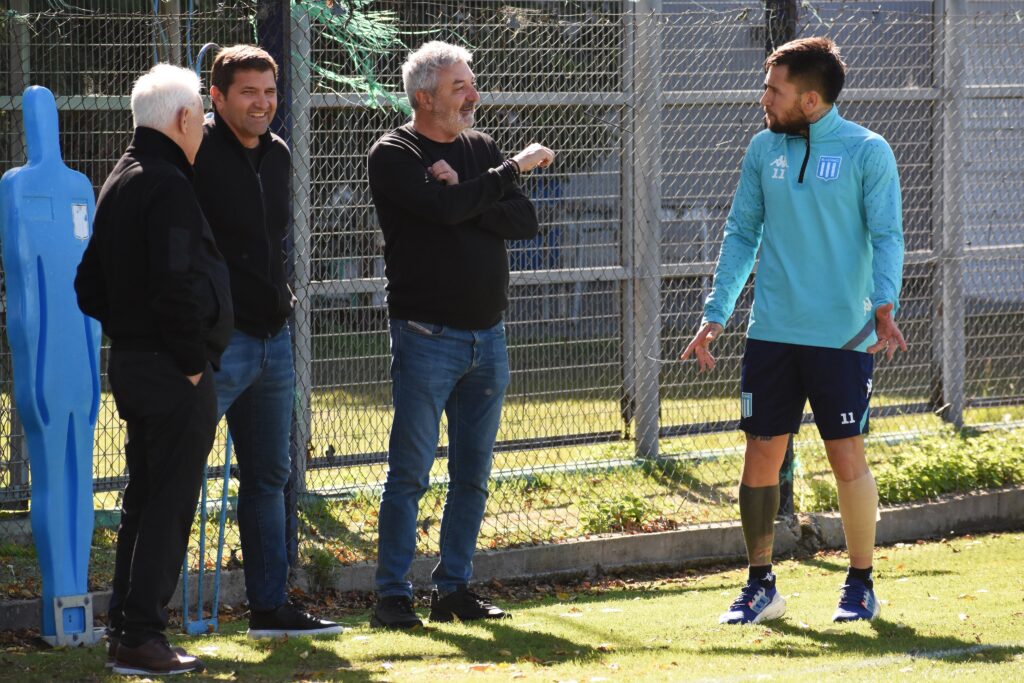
(153, 277)
(447, 201)
(242, 173)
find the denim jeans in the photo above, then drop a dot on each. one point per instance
(255, 388)
(463, 373)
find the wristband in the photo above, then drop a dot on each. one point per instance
(509, 169)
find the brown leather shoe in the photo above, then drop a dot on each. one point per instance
(114, 641)
(154, 658)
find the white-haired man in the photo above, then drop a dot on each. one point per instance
(447, 201)
(152, 275)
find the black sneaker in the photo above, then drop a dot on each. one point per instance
(288, 620)
(464, 604)
(395, 612)
(154, 658)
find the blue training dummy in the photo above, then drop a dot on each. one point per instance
(46, 213)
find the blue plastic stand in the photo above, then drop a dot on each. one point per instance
(46, 213)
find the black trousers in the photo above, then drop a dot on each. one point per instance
(171, 426)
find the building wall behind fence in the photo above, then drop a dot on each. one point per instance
(650, 112)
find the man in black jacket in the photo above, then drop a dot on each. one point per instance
(242, 172)
(153, 277)
(447, 201)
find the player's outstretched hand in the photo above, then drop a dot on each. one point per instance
(533, 156)
(889, 335)
(701, 346)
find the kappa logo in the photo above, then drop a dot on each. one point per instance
(828, 167)
(779, 166)
(867, 305)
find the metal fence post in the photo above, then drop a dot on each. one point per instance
(647, 225)
(299, 72)
(952, 247)
(167, 24)
(780, 17)
(935, 368)
(19, 54)
(627, 121)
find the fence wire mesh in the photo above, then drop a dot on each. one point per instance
(603, 429)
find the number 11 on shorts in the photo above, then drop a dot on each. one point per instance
(846, 418)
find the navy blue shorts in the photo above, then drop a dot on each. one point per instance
(778, 379)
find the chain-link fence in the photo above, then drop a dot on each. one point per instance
(649, 107)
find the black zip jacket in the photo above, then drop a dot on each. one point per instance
(444, 245)
(249, 209)
(152, 274)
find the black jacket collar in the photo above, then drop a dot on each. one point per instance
(221, 127)
(153, 142)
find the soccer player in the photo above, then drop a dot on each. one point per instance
(820, 197)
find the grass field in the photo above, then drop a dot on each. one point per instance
(952, 609)
(612, 493)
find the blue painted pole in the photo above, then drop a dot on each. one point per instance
(200, 624)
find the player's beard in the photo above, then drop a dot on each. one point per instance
(793, 122)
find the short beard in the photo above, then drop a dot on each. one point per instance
(792, 127)
(455, 124)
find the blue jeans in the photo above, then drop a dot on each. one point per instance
(463, 373)
(255, 388)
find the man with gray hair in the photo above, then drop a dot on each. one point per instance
(153, 277)
(447, 200)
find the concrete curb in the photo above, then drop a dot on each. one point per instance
(19, 614)
(704, 544)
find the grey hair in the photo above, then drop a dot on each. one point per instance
(163, 91)
(420, 69)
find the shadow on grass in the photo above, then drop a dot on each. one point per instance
(889, 639)
(537, 646)
(295, 659)
(628, 593)
(902, 573)
(840, 566)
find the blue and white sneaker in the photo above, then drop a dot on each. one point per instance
(757, 602)
(856, 602)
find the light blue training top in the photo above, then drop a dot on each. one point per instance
(831, 242)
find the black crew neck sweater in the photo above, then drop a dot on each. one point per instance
(444, 245)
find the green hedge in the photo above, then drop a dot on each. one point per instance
(931, 466)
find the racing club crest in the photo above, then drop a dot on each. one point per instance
(828, 167)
